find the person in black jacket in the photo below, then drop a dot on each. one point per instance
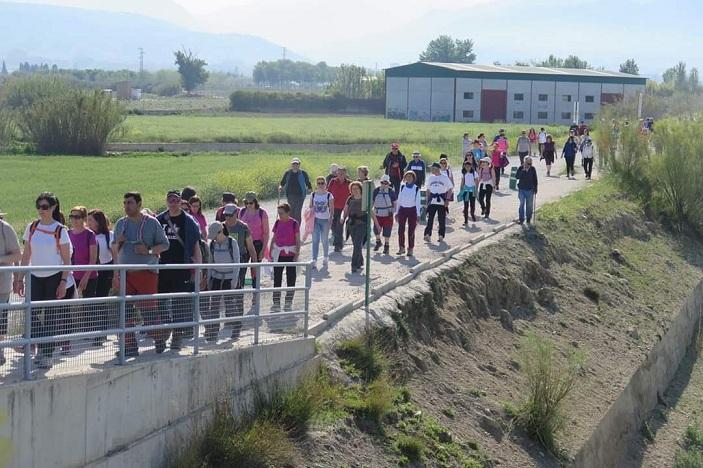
(295, 183)
(394, 165)
(527, 189)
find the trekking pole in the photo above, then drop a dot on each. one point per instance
(534, 208)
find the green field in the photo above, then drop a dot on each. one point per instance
(267, 128)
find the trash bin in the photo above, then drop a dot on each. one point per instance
(513, 179)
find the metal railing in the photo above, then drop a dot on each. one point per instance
(98, 332)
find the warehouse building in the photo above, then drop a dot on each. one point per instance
(457, 92)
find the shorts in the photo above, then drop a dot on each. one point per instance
(386, 223)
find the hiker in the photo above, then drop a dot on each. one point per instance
(524, 146)
(285, 248)
(333, 173)
(466, 144)
(195, 205)
(322, 206)
(357, 227)
(140, 239)
(100, 225)
(478, 153)
(257, 220)
(439, 188)
(384, 201)
(549, 154)
(569, 154)
(85, 252)
(486, 182)
(47, 243)
(417, 165)
(183, 234)
(407, 209)
(496, 160)
(446, 170)
(582, 129)
(223, 250)
(482, 140)
(541, 140)
(187, 193)
(227, 198)
(586, 149)
(503, 145)
(532, 135)
(339, 188)
(296, 185)
(526, 177)
(362, 173)
(241, 234)
(10, 255)
(394, 166)
(467, 191)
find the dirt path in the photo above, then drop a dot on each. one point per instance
(336, 286)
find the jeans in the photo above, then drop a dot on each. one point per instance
(570, 165)
(321, 232)
(278, 281)
(472, 202)
(484, 198)
(408, 215)
(588, 166)
(441, 212)
(88, 318)
(527, 197)
(212, 310)
(358, 235)
(522, 155)
(173, 281)
(296, 207)
(395, 182)
(337, 229)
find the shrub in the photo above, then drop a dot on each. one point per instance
(257, 101)
(411, 447)
(692, 454)
(7, 129)
(361, 356)
(61, 119)
(168, 89)
(378, 400)
(549, 383)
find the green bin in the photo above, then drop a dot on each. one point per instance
(513, 179)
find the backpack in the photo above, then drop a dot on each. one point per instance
(57, 233)
(312, 199)
(230, 247)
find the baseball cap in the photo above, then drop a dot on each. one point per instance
(250, 196)
(173, 193)
(213, 230)
(385, 178)
(228, 197)
(395, 146)
(416, 152)
(230, 209)
(295, 161)
(436, 164)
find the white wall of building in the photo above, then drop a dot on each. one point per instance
(397, 98)
(564, 106)
(468, 110)
(495, 84)
(519, 109)
(540, 108)
(419, 99)
(613, 88)
(442, 105)
(588, 110)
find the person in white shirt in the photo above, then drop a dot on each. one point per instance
(322, 205)
(407, 209)
(467, 193)
(541, 140)
(439, 190)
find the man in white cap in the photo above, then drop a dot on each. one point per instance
(296, 185)
(9, 255)
(417, 165)
(384, 199)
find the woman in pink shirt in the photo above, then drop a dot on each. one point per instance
(285, 247)
(85, 252)
(257, 220)
(496, 154)
(196, 211)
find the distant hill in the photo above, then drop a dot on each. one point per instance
(78, 38)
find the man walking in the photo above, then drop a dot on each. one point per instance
(139, 239)
(417, 165)
(227, 197)
(9, 255)
(339, 188)
(394, 166)
(438, 189)
(541, 140)
(183, 234)
(524, 146)
(296, 185)
(527, 189)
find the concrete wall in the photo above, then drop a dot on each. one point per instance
(468, 85)
(136, 415)
(627, 414)
(442, 105)
(397, 98)
(419, 98)
(516, 108)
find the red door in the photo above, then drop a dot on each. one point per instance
(494, 105)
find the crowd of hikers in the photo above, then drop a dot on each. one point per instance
(330, 211)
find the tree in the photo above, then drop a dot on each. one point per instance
(191, 68)
(3, 72)
(572, 61)
(447, 50)
(350, 82)
(630, 66)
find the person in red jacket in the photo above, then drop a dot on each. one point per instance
(339, 188)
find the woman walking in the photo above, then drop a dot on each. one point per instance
(384, 199)
(486, 182)
(549, 153)
(447, 171)
(532, 135)
(569, 154)
(496, 162)
(407, 210)
(223, 250)
(587, 154)
(322, 206)
(285, 247)
(467, 191)
(85, 252)
(47, 243)
(257, 219)
(196, 211)
(100, 225)
(357, 225)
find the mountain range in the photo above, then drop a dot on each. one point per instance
(82, 38)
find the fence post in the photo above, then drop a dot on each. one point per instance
(196, 311)
(27, 325)
(122, 313)
(257, 307)
(308, 284)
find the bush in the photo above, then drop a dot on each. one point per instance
(692, 454)
(7, 129)
(378, 400)
(550, 382)
(362, 357)
(257, 101)
(58, 118)
(167, 89)
(410, 447)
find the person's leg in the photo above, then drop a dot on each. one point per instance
(482, 199)
(522, 155)
(442, 215)
(529, 201)
(466, 211)
(296, 208)
(431, 210)
(316, 234)
(182, 308)
(472, 202)
(357, 234)
(290, 282)
(239, 297)
(402, 219)
(259, 248)
(521, 209)
(395, 181)
(212, 309)
(412, 225)
(325, 240)
(277, 281)
(496, 171)
(337, 230)
(52, 315)
(489, 192)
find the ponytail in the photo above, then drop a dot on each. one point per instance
(55, 204)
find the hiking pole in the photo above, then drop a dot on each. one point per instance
(534, 207)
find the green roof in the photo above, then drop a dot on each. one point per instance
(466, 70)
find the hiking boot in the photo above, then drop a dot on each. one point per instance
(427, 238)
(386, 249)
(401, 251)
(160, 346)
(176, 343)
(377, 246)
(410, 252)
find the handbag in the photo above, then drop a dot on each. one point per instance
(504, 161)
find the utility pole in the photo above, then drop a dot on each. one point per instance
(141, 62)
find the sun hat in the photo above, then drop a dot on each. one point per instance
(213, 230)
(295, 161)
(486, 160)
(417, 152)
(385, 178)
(230, 209)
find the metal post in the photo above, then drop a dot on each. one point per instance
(196, 311)
(308, 284)
(27, 325)
(122, 311)
(368, 185)
(257, 307)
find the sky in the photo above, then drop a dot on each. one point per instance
(382, 33)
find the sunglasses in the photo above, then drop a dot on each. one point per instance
(320, 183)
(229, 215)
(43, 207)
(383, 182)
(72, 216)
(249, 203)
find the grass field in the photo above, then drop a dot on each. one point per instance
(268, 128)
(100, 182)
(153, 103)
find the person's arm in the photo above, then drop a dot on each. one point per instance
(418, 204)
(266, 230)
(250, 248)
(534, 176)
(18, 286)
(297, 246)
(330, 207)
(307, 181)
(282, 182)
(93, 260)
(345, 213)
(65, 252)
(384, 165)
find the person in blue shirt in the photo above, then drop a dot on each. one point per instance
(569, 153)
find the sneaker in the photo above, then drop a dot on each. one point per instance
(325, 262)
(486, 217)
(427, 238)
(314, 265)
(43, 362)
(377, 246)
(386, 249)
(410, 252)
(176, 344)
(520, 221)
(466, 222)
(2, 358)
(473, 217)
(440, 239)
(483, 211)
(160, 346)
(401, 251)
(337, 249)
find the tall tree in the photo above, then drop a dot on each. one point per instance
(572, 61)
(4, 69)
(447, 50)
(191, 68)
(350, 82)
(630, 66)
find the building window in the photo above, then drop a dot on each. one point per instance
(566, 97)
(518, 115)
(542, 115)
(566, 116)
(519, 97)
(468, 114)
(543, 98)
(590, 99)
(468, 95)
(588, 116)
